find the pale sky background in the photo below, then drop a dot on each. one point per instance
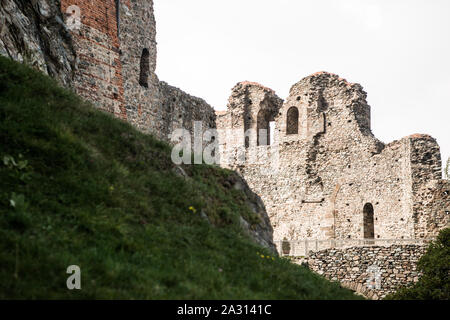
(398, 50)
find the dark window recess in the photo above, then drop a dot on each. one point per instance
(292, 121)
(263, 128)
(145, 68)
(368, 219)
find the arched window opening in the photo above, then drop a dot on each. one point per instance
(368, 220)
(263, 128)
(292, 121)
(145, 68)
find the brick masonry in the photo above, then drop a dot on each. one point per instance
(116, 50)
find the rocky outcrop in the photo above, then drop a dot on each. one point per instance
(34, 32)
(371, 271)
(258, 227)
(261, 232)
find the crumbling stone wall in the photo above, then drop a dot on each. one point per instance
(181, 110)
(432, 209)
(117, 45)
(317, 179)
(108, 58)
(371, 271)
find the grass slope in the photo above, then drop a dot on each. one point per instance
(78, 187)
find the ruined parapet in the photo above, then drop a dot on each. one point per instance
(246, 124)
(323, 91)
(430, 194)
(179, 110)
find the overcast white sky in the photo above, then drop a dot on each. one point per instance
(398, 50)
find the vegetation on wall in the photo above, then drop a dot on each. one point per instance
(434, 284)
(79, 187)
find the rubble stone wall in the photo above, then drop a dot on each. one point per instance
(33, 32)
(371, 271)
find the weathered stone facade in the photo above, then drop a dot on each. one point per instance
(116, 45)
(106, 51)
(323, 175)
(312, 159)
(371, 271)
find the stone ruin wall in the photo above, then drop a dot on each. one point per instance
(373, 272)
(315, 182)
(432, 208)
(110, 60)
(134, 92)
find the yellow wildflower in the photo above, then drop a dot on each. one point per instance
(192, 209)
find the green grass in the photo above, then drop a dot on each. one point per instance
(78, 187)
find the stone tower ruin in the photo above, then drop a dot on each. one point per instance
(321, 172)
(116, 49)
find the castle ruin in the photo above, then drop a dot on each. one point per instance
(321, 172)
(312, 158)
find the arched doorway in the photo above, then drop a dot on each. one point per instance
(368, 221)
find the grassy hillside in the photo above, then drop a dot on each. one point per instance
(78, 187)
